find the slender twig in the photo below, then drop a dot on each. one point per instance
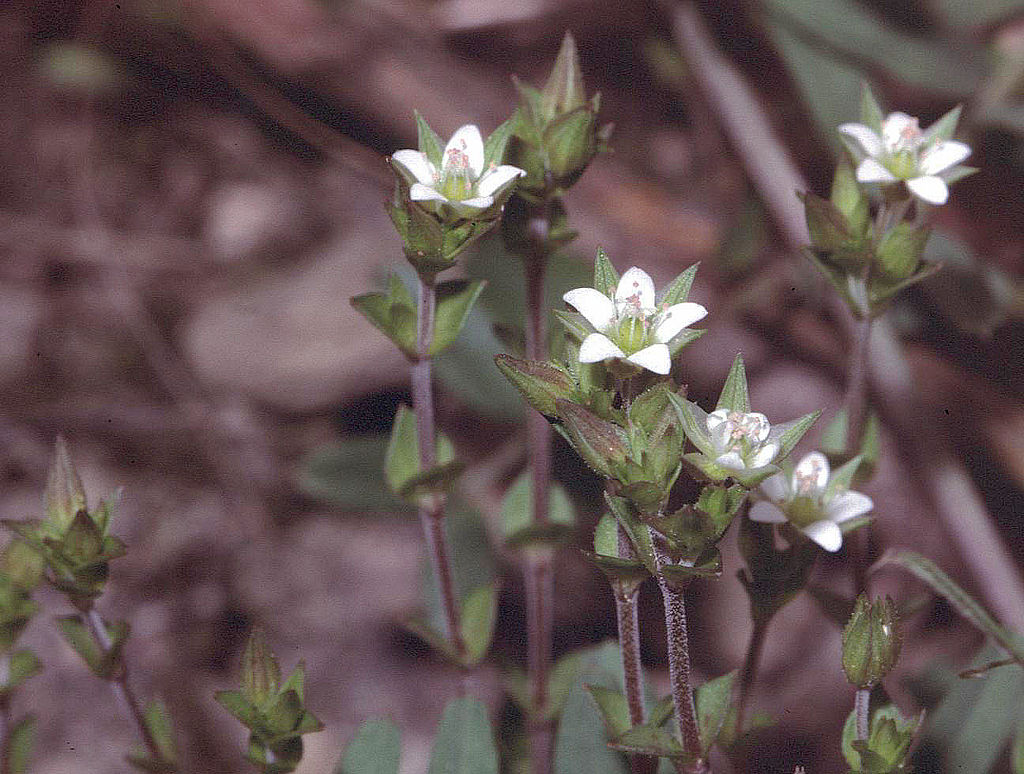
(860, 706)
(748, 673)
(120, 686)
(629, 638)
(432, 515)
(539, 568)
(679, 664)
(856, 399)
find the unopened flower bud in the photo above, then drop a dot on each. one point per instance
(871, 641)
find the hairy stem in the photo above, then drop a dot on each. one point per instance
(539, 569)
(679, 665)
(748, 673)
(629, 638)
(860, 706)
(123, 693)
(432, 515)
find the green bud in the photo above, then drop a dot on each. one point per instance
(564, 91)
(871, 641)
(601, 444)
(64, 495)
(571, 142)
(541, 384)
(826, 223)
(849, 198)
(261, 675)
(900, 250)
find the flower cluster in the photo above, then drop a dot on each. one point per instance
(630, 325)
(813, 499)
(901, 151)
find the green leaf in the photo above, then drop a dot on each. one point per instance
(261, 674)
(614, 709)
(713, 702)
(429, 143)
(158, 721)
(394, 316)
(402, 459)
(517, 514)
(19, 745)
(606, 536)
(1017, 750)
(464, 743)
(734, 395)
(284, 712)
(850, 753)
(78, 635)
(648, 740)
(350, 474)
(679, 289)
(638, 532)
(479, 613)
(926, 570)
(297, 681)
(497, 141)
(375, 749)
(23, 665)
(606, 279)
(455, 300)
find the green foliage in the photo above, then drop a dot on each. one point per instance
(889, 740)
(606, 278)
(158, 721)
(734, 395)
(900, 250)
(402, 466)
(19, 745)
(517, 516)
(272, 710)
(455, 300)
(393, 313)
(428, 141)
(105, 663)
(350, 475)
(375, 749)
(464, 743)
(540, 384)
(714, 701)
(479, 614)
(871, 641)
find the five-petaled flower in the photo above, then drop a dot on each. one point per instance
(808, 502)
(461, 187)
(630, 326)
(742, 441)
(903, 152)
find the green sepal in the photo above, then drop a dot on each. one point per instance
(871, 114)
(849, 198)
(834, 443)
(944, 128)
(599, 443)
(638, 533)
(429, 142)
(282, 715)
(606, 278)
(826, 223)
(64, 495)
(851, 288)
(888, 743)
(871, 641)
(680, 575)
(649, 740)
(455, 301)
(882, 290)
(734, 395)
(793, 431)
(393, 313)
(679, 289)
(842, 477)
(479, 614)
(83, 541)
(900, 250)
(714, 701)
(22, 564)
(402, 461)
(296, 681)
(22, 665)
(238, 705)
(497, 141)
(287, 754)
(571, 142)
(575, 324)
(541, 384)
(684, 338)
(564, 90)
(158, 721)
(652, 409)
(614, 708)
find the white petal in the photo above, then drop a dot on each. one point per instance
(814, 470)
(758, 425)
(826, 534)
(717, 417)
(597, 347)
(636, 283)
(654, 358)
(414, 166)
(870, 171)
(930, 188)
(767, 513)
(764, 455)
(895, 127)
(943, 155)
(870, 142)
(593, 305)
(468, 140)
(776, 488)
(424, 193)
(848, 505)
(731, 461)
(675, 318)
(467, 208)
(721, 435)
(498, 178)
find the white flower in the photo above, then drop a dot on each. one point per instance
(630, 326)
(742, 441)
(806, 500)
(904, 152)
(462, 184)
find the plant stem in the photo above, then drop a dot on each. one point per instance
(748, 673)
(119, 685)
(432, 515)
(679, 664)
(5, 716)
(856, 400)
(539, 569)
(860, 706)
(629, 638)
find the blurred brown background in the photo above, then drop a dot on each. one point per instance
(190, 193)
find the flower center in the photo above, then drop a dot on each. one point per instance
(456, 176)
(807, 480)
(804, 511)
(632, 333)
